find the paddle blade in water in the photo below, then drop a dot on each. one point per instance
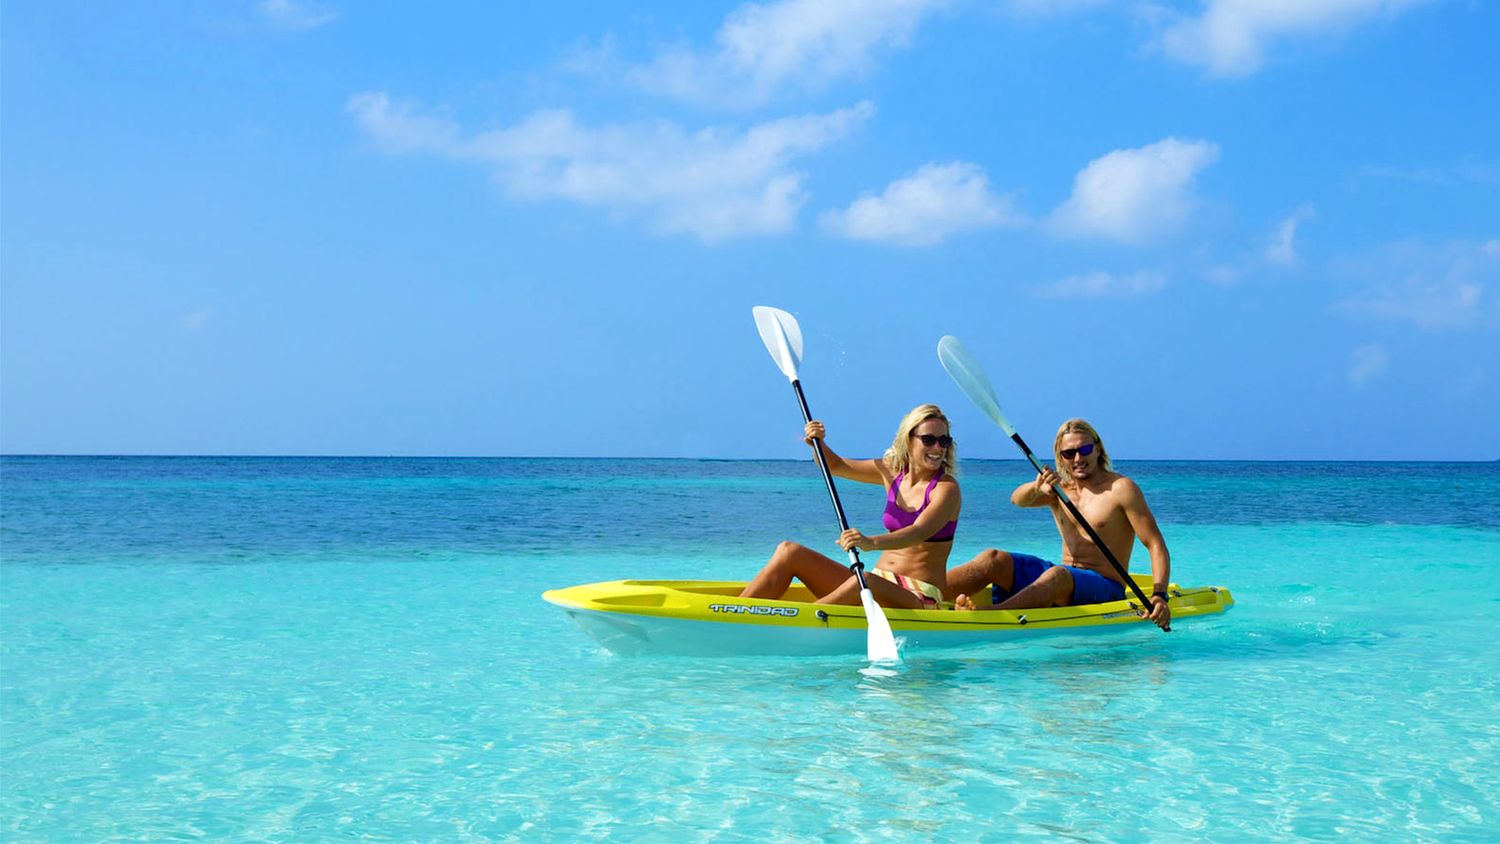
(782, 336)
(881, 644)
(969, 376)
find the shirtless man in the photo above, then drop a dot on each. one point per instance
(1113, 505)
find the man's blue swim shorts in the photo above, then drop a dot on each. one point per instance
(1089, 587)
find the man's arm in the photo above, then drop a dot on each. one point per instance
(1147, 531)
(1037, 493)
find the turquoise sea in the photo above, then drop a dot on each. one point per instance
(310, 649)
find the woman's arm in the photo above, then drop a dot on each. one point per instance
(864, 471)
(942, 508)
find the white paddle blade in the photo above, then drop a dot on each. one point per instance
(969, 376)
(782, 336)
(880, 645)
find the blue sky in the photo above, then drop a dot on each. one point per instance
(1222, 229)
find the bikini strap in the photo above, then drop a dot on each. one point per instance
(890, 495)
(926, 497)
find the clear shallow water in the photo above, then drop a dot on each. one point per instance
(300, 649)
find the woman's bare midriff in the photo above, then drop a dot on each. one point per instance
(927, 562)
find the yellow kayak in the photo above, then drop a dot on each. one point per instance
(700, 617)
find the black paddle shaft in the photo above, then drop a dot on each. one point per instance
(1089, 529)
(857, 567)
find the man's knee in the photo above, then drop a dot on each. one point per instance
(996, 561)
(1059, 583)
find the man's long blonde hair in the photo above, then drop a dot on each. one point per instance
(898, 456)
(1078, 426)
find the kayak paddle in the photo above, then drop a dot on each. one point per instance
(967, 374)
(783, 339)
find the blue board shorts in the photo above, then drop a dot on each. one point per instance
(1089, 587)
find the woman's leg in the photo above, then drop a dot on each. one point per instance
(887, 594)
(791, 560)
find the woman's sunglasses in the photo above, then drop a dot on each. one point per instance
(1070, 453)
(931, 440)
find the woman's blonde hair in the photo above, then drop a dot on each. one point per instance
(898, 456)
(1078, 426)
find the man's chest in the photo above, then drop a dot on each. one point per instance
(1101, 509)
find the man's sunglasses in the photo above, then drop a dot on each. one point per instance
(931, 440)
(1070, 453)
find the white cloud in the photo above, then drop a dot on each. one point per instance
(1135, 195)
(937, 201)
(765, 49)
(1282, 248)
(715, 183)
(1224, 275)
(196, 320)
(290, 14)
(397, 130)
(1049, 8)
(1434, 288)
(1366, 362)
(1102, 285)
(1431, 305)
(1464, 384)
(1230, 37)
(1468, 170)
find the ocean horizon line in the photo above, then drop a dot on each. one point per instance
(647, 458)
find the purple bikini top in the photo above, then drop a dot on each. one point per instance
(895, 518)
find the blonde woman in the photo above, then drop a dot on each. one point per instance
(921, 515)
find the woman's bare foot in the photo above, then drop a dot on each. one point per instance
(962, 602)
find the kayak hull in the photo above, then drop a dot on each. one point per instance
(706, 618)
